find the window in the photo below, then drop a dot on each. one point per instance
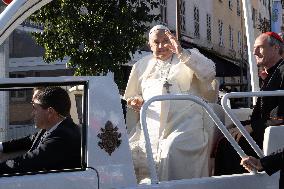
(163, 9)
(31, 24)
(260, 18)
(238, 8)
(254, 17)
(182, 15)
(196, 22)
(19, 95)
(20, 123)
(245, 47)
(208, 21)
(79, 107)
(239, 42)
(230, 4)
(220, 26)
(17, 75)
(231, 37)
(264, 2)
(36, 74)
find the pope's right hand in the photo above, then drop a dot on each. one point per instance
(236, 133)
(135, 103)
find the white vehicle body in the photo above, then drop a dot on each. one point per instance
(101, 104)
(100, 169)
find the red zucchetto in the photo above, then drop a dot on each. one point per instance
(275, 36)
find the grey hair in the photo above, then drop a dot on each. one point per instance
(272, 41)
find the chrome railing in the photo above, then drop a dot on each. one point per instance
(235, 120)
(209, 110)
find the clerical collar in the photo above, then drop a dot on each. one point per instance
(169, 60)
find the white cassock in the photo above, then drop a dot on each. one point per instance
(179, 131)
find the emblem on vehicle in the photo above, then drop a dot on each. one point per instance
(110, 138)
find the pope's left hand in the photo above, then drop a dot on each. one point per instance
(235, 132)
(174, 44)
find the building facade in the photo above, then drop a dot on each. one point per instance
(22, 57)
(217, 29)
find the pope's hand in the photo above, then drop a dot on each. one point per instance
(174, 44)
(135, 103)
(235, 132)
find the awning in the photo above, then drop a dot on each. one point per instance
(224, 67)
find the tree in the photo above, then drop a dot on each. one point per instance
(97, 35)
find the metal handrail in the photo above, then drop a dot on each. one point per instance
(235, 120)
(209, 110)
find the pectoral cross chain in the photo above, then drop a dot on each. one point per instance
(167, 86)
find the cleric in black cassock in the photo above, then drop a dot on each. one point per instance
(268, 111)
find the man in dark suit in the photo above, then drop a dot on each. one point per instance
(56, 146)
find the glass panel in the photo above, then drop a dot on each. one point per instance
(17, 121)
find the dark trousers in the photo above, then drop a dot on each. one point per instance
(227, 160)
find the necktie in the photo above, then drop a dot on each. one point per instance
(37, 140)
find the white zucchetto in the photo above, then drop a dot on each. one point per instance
(158, 27)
